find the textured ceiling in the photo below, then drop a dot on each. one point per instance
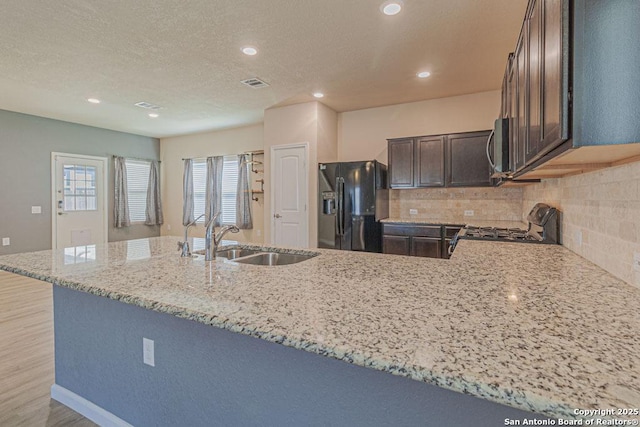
(185, 56)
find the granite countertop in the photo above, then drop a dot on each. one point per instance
(458, 221)
(531, 326)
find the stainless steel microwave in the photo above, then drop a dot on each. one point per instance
(498, 152)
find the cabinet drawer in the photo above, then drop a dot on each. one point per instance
(412, 230)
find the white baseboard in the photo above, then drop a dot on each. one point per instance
(85, 408)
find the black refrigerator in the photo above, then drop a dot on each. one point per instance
(352, 199)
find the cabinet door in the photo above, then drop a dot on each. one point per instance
(401, 162)
(468, 163)
(397, 245)
(426, 247)
(535, 86)
(513, 114)
(554, 75)
(522, 95)
(430, 162)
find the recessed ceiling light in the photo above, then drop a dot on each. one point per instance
(93, 100)
(423, 74)
(153, 115)
(319, 95)
(391, 7)
(249, 50)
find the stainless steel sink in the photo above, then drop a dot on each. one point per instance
(231, 253)
(235, 253)
(273, 258)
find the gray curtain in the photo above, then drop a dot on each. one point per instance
(121, 203)
(213, 195)
(154, 200)
(243, 195)
(187, 192)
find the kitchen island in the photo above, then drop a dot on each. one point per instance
(533, 327)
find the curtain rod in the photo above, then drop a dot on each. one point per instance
(224, 155)
(137, 158)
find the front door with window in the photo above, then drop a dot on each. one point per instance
(79, 211)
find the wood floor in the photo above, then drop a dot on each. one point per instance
(26, 356)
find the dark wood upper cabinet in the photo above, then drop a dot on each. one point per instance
(439, 161)
(430, 161)
(401, 163)
(555, 69)
(468, 163)
(522, 93)
(534, 66)
(512, 87)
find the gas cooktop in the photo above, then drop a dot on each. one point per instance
(492, 233)
(544, 227)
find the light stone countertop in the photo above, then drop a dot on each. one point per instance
(531, 326)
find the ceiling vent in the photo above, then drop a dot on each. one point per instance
(147, 105)
(255, 83)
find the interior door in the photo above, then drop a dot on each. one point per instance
(79, 211)
(290, 190)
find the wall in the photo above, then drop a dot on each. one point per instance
(600, 215)
(363, 134)
(502, 204)
(309, 122)
(231, 141)
(26, 143)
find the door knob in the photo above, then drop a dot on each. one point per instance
(277, 216)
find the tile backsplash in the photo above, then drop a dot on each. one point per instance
(600, 215)
(451, 203)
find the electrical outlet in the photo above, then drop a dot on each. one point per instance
(36, 209)
(636, 261)
(148, 356)
(413, 211)
(468, 213)
(6, 241)
(577, 237)
(168, 227)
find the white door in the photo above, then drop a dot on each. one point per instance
(79, 189)
(290, 195)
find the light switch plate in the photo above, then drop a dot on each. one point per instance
(413, 211)
(468, 213)
(36, 209)
(6, 241)
(636, 261)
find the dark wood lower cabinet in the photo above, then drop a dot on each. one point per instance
(396, 245)
(426, 247)
(420, 240)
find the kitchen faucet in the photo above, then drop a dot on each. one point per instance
(212, 237)
(184, 246)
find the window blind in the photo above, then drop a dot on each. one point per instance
(229, 188)
(199, 188)
(137, 185)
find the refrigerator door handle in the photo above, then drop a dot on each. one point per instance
(340, 203)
